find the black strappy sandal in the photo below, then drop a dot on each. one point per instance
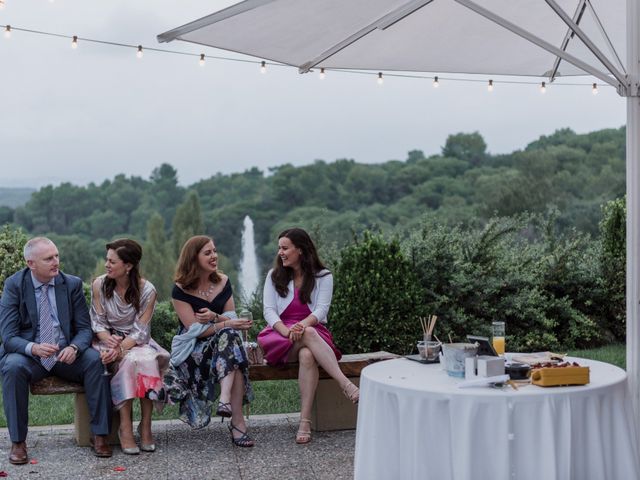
(243, 441)
(224, 410)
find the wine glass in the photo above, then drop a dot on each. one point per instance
(104, 350)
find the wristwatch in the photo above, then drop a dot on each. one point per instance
(74, 346)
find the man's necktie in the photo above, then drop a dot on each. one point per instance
(47, 330)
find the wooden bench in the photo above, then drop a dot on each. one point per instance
(331, 409)
(82, 431)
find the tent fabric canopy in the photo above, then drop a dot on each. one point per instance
(440, 36)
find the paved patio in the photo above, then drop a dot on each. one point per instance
(184, 453)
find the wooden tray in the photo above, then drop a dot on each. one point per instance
(553, 377)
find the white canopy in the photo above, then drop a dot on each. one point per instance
(543, 38)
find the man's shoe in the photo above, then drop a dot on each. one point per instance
(18, 455)
(101, 447)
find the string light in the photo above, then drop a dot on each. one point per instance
(263, 65)
(490, 86)
(380, 79)
(543, 87)
(322, 74)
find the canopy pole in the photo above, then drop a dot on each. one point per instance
(633, 205)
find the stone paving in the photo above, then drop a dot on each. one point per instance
(183, 453)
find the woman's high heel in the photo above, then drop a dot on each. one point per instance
(128, 451)
(302, 436)
(351, 392)
(242, 441)
(145, 447)
(224, 409)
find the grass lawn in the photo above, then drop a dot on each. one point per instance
(276, 396)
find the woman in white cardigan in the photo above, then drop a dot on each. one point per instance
(297, 297)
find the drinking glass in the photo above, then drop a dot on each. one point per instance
(498, 331)
(245, 313)
(103, 352)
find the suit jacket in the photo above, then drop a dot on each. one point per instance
(19, 313)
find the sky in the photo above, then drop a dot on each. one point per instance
(87, 114)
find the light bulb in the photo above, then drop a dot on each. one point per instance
(594, 89)
(1, 4)
(202, 60)
(7, 31)
(436, 84)
(74, 42)
(543, 87)
(139, 53)
(263, 67)
(380, 79)
(322, 74)
(490, 86)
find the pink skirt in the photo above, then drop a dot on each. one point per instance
(276, 347)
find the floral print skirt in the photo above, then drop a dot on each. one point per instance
(195, 383)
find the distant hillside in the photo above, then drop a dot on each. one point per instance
(15, 197)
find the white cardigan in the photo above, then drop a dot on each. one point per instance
(274, 304)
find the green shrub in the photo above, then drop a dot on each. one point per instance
(164, 324)
(613, 257)
(12, 242)
(376, 300)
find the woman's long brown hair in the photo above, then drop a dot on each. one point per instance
(310, 265)
(187, 270)
(129, 251)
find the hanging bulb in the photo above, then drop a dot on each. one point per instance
(1, 4)
(322, 74)
(74, 42)
(490, 86)
(202, 60)
(139, 53)
(380, 79)
(7, 31)
(543, 87)
(594, 89)
(436, 84)
(263, 67)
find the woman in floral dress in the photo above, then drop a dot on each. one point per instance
(208, 361)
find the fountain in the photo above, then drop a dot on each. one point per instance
(249, 262)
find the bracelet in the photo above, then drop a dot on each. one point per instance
(121, 351)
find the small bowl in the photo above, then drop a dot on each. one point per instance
(429, 350)
(518, 371)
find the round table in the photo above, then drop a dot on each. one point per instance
(414, 422)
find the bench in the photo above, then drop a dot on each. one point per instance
(82, 431)
(331, 409)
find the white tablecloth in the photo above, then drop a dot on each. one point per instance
(415, 423)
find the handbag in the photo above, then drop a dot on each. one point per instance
(254, 353)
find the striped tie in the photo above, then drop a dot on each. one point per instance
(47, 330)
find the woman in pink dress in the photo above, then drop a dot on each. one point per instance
(122, 305)
(297, 297)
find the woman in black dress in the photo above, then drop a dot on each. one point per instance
(207, 357)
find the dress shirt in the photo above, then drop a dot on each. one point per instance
(51, 294)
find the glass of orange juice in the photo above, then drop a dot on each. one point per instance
(497, 329)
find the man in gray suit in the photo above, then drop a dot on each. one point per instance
(46, 330)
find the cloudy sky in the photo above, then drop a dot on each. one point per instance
(88, 114)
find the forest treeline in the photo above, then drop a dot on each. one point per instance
(464, 186)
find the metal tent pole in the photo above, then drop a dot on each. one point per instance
(633, 205)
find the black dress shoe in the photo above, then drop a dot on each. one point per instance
(101, 447)
(18, 455)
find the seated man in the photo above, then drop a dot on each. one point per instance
(45, 330)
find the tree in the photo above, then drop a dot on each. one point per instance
(158, 261)
(76, 257)
(466, 146)
(187, 221)
(12, 242)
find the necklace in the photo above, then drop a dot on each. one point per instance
(207, 293)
